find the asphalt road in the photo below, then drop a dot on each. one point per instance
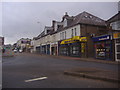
(16, 70)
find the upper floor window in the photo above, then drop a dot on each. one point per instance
(74, 32)
(63, 35)
(115, 25)
(60, 35)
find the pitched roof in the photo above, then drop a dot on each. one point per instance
(87, 18)
(116, 17)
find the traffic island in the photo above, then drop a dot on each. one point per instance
(93, 73)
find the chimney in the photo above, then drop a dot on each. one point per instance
(53, 24)
(66, 13)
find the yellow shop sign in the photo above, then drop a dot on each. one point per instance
(116, 35)
(74, 39)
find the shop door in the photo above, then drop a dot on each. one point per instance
(117, 50)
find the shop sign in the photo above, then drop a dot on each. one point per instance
(116, 35)
(102, 38)
(74, 39)
(82, 47)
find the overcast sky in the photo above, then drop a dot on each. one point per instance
(20, 19)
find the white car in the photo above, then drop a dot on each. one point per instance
(20, 50)
(15, 50)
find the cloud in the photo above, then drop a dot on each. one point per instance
(19, 19)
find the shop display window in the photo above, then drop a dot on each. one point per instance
(75, 50)
(103, 50)
(100, 50)
(118, 56)
(118, 48)
(64, 50)
(117, 40)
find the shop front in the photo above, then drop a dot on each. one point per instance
(48, 49)
(54, 48)
(116, 37)
(103, 47)
(72, 47)
(38, 49)
(43, 49)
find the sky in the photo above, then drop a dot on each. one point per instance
(28, 19)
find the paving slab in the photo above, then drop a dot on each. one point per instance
(94, 73)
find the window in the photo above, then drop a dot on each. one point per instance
(65, 23)
(65, 34)
(118, 25)
(62, 35)
(72, 33)
(75, 32)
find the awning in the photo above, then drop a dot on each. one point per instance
(74, 39)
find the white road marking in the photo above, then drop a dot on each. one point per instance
(36, 79)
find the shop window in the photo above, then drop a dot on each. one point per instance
(72, 33)
(100, 50)
(117, 40)
(118, 48)
(75, 50)
(60, 36)
(118, 56)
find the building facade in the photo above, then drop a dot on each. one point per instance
(24, 44)
(72, 36)
(114, 25)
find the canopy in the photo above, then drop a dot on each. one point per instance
(74, 39)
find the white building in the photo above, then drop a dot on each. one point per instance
(24, 44)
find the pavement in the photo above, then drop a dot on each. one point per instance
(94, 73)
(84, 59)
(8, 54)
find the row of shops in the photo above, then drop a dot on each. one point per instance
(106, 47)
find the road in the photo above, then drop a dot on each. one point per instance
(18, 69)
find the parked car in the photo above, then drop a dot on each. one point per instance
(20, 50)
(15, 50)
